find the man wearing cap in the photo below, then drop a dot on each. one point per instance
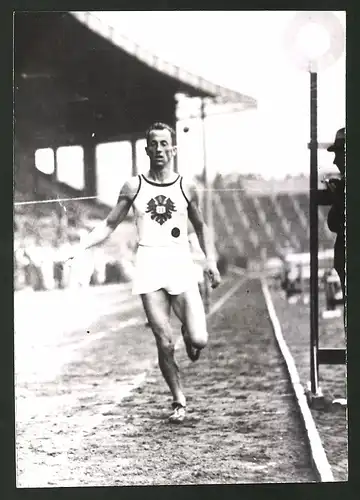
(336, 216)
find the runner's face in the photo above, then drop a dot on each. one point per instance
(159, 148)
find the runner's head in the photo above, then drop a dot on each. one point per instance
(160, 144)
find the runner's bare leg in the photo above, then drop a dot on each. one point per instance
(189, 308)
(157, 306)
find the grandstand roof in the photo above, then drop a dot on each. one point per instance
(76, 76)
(193, 84)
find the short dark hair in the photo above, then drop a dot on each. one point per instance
(161, 126)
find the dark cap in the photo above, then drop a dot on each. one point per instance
(339, 142)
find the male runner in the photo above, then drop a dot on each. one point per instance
(164, 276)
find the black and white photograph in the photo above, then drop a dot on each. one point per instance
(179, 247)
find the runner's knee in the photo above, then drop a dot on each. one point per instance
(199, 338)
(163, 338)
(165, 347)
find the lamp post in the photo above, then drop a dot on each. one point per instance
(208, 198)
(315, 40)
(314, 238)
(202, 112)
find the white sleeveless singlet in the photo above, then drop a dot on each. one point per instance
(161, 213)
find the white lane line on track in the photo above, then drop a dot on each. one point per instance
(318, 454)
(81, 315)
(99, 335)
(221, 301)
(38, 362)
(237, 270)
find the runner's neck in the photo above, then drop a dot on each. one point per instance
(163, 176)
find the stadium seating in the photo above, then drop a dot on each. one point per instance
(264, 220)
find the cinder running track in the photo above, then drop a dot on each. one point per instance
(91, 405)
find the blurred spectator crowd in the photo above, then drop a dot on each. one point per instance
(38, 261)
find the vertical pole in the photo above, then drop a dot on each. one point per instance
(174, 125)
(54, 175)
(175, 122)
(176, 164)
(34, 178)
(89, 166)
(59, 210)
(208, 191)
(314, 265)
(30, 156)
(135, 169)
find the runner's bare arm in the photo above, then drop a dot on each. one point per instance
(204, 236)
(124, 202)
(197, 219)
(103, 230)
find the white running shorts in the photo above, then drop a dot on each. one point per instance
(161, 267)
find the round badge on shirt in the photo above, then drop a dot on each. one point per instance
(175, 232)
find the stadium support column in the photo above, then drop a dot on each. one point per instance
(34, 174)
(314, 237)
(175, 160)
(60, 213)
(135, 169)
(89, 167)
(207, 184)
(176, 164)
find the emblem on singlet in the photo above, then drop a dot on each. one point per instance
(160, 208)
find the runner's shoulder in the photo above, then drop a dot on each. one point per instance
(131, 186)
(190, 187)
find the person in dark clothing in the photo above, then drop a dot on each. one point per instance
(336, 216)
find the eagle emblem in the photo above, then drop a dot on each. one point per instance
(160, 209)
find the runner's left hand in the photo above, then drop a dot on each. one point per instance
(213, 274)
